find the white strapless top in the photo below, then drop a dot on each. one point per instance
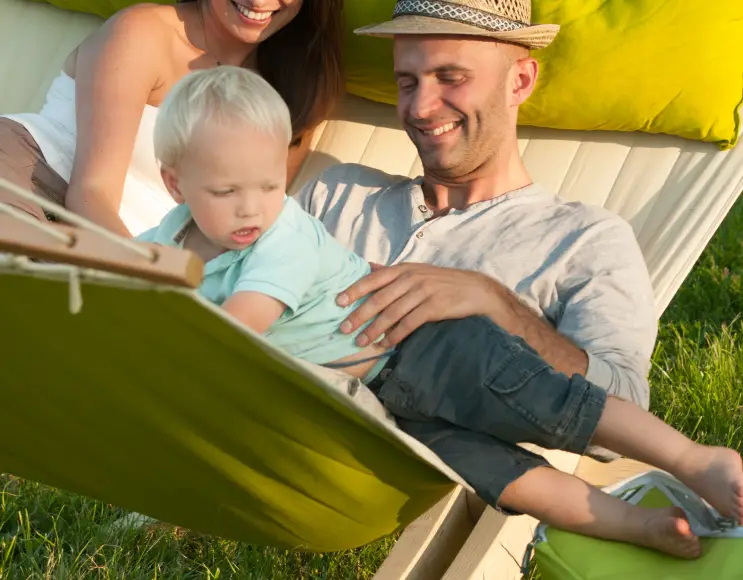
(145, 200)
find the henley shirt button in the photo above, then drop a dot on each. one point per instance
(419, 235)
(423, 208)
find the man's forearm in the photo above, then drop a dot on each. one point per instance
(560, 352)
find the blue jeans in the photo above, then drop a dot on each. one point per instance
(470, 392)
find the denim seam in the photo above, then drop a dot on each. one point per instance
(592, 405)
(575, 403)
(570, 426)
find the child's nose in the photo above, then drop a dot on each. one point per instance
(248, 207)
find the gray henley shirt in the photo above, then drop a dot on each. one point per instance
(579, 267)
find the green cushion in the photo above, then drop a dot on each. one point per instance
(568, 556)
(670, 66)
(102, 8)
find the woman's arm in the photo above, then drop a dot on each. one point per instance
(115, 72)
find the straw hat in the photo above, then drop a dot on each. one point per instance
(506, 20)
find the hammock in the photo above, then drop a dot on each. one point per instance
(148, 396)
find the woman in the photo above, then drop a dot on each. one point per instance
(90, 148)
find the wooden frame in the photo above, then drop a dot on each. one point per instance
(88, 249)
(431, 548)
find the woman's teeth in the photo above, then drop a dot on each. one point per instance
(253, 15)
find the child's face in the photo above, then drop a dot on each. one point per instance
(233, 179)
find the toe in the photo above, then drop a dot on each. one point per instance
(688, 544)
(695, 549)
(682, 527)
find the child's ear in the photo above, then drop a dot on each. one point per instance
(170, 179)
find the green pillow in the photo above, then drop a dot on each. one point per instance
(368, 60)
(102, 8)
(660, 66)
(568, 556)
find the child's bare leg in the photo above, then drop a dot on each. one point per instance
(715, 473)
(566, 502)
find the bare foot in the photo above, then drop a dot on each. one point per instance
(668, 531)
(715, 473)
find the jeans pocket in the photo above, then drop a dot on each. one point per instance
(536, 394)
(512, 372)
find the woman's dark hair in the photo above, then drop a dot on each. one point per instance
(302, 61)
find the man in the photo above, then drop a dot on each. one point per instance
(474, 235)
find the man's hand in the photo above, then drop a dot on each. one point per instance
(406, 296)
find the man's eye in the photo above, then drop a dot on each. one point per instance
(451, 79)
(222, 192)
(406, 85)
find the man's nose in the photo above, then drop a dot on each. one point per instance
(425, 102)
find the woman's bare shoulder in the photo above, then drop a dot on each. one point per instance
(148, 14)
(152, 28)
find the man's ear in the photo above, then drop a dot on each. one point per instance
(524, 74)
(170, 179)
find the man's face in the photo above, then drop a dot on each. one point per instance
(456, 99)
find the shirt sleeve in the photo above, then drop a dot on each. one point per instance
(283, 265)
(315, 195)
(332, 189)
(147, 236)
(608, 309)
(304, 196)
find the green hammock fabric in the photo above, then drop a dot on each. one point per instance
(149, 400)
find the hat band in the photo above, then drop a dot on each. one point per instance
(456, 13)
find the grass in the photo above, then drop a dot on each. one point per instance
(49, 534)
(696, 387)
(697, 374)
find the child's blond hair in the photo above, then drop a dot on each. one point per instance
(225, 94)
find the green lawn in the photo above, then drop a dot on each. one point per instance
(696, 380)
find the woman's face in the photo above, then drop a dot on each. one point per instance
(253, 21)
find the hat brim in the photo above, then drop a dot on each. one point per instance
(535, 37)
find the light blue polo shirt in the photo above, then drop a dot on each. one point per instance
(296, 262)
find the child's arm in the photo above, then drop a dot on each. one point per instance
(255, 310)
(280, 271)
